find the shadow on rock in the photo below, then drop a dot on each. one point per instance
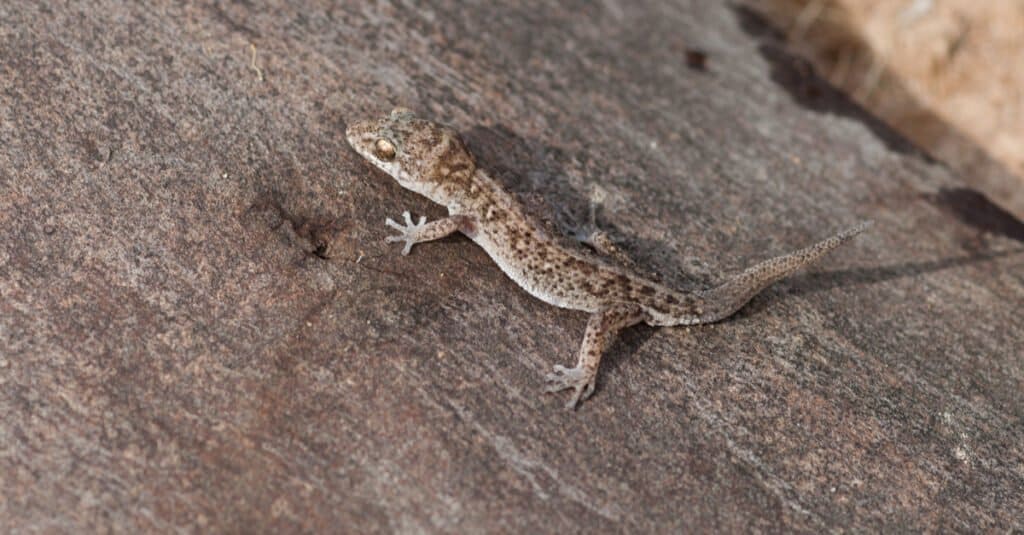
(974, 209)
(537, 174)
(809, 283)
(798, 77)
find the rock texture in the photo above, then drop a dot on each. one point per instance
(202, 329)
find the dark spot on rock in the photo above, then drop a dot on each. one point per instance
(697, 59)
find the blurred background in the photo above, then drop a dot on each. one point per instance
(948, 74)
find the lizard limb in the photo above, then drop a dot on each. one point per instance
(601, 330)
(413, 233)
(592, 235)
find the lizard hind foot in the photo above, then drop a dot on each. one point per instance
(410, 232)
(578, 379)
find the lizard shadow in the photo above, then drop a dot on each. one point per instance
(970, 207)
(536, 173)
(820, 281)
(626, 345)
(632, 339)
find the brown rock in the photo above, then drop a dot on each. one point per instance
(202, 329)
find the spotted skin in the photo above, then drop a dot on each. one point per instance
(431, 159)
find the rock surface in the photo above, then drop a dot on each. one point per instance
(202, 329)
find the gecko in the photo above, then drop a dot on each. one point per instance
(432, 160)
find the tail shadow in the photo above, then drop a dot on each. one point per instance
(819, 281)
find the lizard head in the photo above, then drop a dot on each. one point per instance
(422, 156)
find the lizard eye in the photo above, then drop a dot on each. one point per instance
(384, 150)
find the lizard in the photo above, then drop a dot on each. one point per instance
(432, 160)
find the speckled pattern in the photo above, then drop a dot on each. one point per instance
(203, 329)
(431, 159)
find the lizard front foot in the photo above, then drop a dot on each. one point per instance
(410, 232)
(579, 379)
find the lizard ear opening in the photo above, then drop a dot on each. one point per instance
(400, 111)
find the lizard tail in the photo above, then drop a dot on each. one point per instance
(730, 296)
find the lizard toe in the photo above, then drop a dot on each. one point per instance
(576, 379)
